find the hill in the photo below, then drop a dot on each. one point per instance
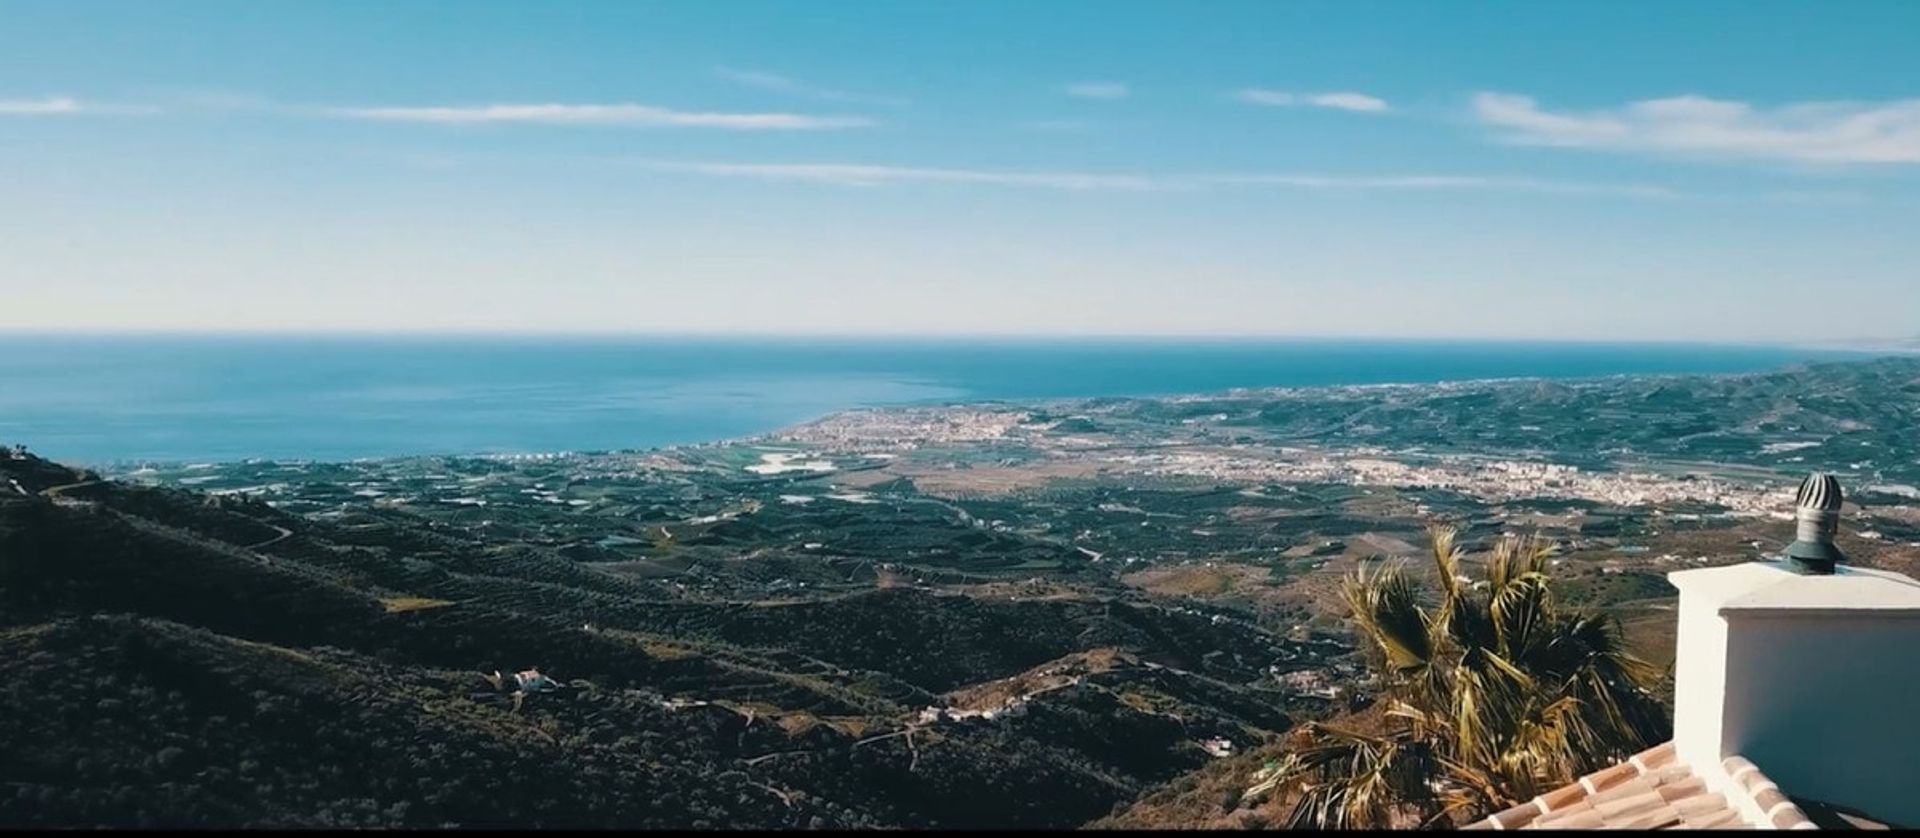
(195, 660)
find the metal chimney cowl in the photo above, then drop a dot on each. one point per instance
(1817, 516)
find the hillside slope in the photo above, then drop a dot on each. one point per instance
(189, 660)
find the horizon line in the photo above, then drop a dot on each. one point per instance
(1870, 344)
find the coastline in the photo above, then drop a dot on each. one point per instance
(774, 435)
(124, 401)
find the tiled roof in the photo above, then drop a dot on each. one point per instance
(1654, 790)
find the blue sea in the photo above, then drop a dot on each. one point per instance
(123, 399)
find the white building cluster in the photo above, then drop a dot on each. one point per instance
(906, 428)
(1485, 479)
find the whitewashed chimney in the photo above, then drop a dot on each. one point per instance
(1807, 667)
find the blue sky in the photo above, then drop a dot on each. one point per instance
(1703, 171)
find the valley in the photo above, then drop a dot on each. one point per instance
(973, 615)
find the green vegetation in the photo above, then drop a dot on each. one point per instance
(1598, 589)
(187, 660)
(749, 649)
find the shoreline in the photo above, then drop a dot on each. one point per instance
(134, 465)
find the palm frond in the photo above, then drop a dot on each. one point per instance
(1385, 606)
(1517, 611)
(1352, 780)
(1495, 695)
(1446, 559)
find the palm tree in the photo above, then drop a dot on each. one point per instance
(1494, 694)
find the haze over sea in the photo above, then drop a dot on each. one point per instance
(103, 399)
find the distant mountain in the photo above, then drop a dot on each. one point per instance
(1899, 345)
(190, 660)
(1853, 417)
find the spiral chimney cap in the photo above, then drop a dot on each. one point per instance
(1819, 491)
(1817, 518)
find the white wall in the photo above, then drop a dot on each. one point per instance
(1815, 679)
(1699, 689)
(1828, 707)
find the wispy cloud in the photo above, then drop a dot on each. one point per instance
(862, 175)
(1468, 183)
(851, 174)
(69, 106)
(545, 114)
(783, 84)
(1809, 132)
(52, 105)
(1339, 101)
(1098, 90)
(616, 114)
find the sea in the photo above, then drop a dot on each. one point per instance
(119, 400)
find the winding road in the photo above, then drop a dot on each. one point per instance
(54, 491)
(284, 534)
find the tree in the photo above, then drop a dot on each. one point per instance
(1493, 695)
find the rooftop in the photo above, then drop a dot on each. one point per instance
(1767, 586)
(1654, 790)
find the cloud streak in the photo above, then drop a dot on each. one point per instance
(777, 83)
(612, 114)
(1443, 183)
(1107, 90)
(68, 106)
(851, 174)
(862, 175)
(1697, 126)
(1339, 101)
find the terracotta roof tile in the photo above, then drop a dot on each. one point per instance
(1662, 817)
(1740, 770)
(1790, 817)
(1631, 787)
(1646, 800)
(1516, 817)
(1654, 790)
(1700, 806)
(1561, 798)
(1608, 778)
(1706, 817)
(1585, 818)
(1769, 799)
(1679, 790)
(1657, 757)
